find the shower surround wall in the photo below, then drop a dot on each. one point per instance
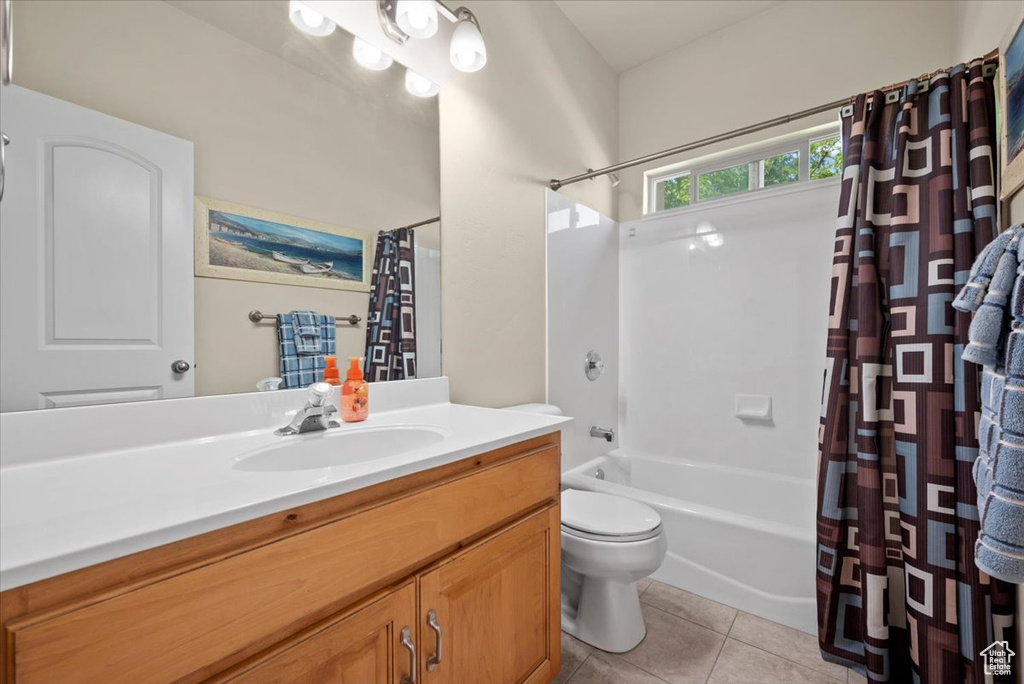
(726, 299)
(583, 315)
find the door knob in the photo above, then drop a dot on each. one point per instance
(180, 366)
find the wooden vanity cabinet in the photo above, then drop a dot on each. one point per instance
(492, 608)
(451, 575)
(363, 647)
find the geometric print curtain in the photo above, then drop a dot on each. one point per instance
(391, 322)
(899, 596)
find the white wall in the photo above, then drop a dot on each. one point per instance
(725, 300)
(545, 106)
(794, 56)
(583, 315)
(981, 25)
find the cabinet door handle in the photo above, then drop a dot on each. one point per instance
(407, 643)
(432, 622)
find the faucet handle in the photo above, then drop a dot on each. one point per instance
(318, 393)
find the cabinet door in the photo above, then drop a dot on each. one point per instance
(363, 647)
(497, 608)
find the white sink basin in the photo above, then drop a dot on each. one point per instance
(339, 447)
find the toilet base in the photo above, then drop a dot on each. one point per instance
(607, 615)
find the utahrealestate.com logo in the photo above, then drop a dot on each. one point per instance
(997, 658)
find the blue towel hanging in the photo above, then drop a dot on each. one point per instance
(994, 292)
(301, 369)
(307, 332)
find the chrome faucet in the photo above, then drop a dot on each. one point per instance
(607, 434)
(315, 415)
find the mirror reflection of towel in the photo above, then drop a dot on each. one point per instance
(307, 332)
(302, 370)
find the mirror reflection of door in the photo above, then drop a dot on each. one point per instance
(95, 258)
(279, 122)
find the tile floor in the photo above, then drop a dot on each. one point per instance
(691, 640)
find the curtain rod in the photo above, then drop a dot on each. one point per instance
(555, 184)
(436, 219)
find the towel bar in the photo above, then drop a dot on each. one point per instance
(256, 316)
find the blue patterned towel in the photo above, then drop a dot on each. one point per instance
(995, 293)
(298, 369)
(306, 329)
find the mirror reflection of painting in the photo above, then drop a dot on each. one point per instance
(257, 245)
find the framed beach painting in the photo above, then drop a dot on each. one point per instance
(242, 243)
(1011, 64)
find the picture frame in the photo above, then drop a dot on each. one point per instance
(1011, 87)
(244, 243)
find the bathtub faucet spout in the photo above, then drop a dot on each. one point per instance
(605, 433)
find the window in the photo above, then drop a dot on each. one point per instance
(723, 182)
(806, 157)
(673, 193)
(782, 168)
(826, 158)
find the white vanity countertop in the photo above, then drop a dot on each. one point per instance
(61, 514)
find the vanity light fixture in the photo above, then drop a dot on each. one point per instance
(308, 20)
(371, 57)
(468, 52)
(417, 18)
(404, 19)
(420, 86)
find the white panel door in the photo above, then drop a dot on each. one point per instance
(95, 257)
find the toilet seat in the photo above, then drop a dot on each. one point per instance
(603, 517)
(608, 538)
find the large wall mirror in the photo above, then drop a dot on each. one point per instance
(174, 167)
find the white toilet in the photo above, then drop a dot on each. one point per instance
(608, 543)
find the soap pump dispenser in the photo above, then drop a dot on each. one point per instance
(354, 393)
(331, 371)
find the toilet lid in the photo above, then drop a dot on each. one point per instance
(606, 515)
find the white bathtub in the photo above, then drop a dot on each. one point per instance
(739, 537)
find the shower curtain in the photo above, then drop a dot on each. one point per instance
(391, 321)
(899, 596)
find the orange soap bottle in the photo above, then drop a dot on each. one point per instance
(331, 371)
(355, 392)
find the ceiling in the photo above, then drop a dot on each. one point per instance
(630, 32)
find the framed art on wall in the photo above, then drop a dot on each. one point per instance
(242, 243)
(1011, 65)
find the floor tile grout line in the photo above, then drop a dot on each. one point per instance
(788, 660)
(780, 655)
(702, 598)
(697, 624)
(737, 611)
(618, 656)
(680, 617)
(568, 680)
(734, 619)
(717, 656)
(727, 634)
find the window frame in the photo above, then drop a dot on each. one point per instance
(754, 156)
